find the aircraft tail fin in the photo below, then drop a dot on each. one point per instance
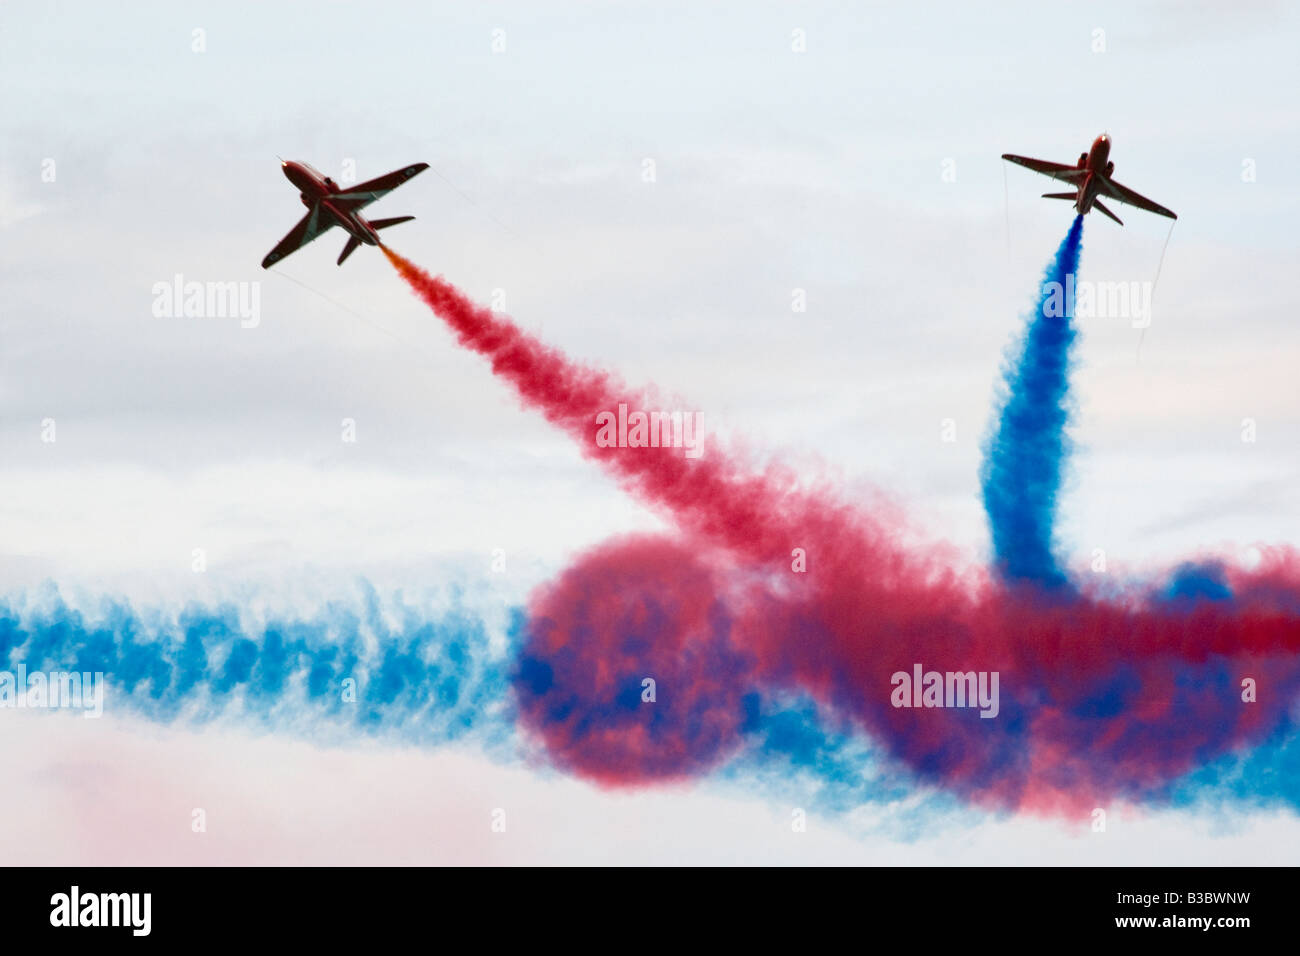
(1098, 203)
(353, 242)
(1069, 195)
(385, 223)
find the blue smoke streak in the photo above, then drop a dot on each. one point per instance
(1263, 778)
(1023, 457)
(426, 680)
(419, 680)
(435, 680)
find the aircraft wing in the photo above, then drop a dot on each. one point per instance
(309, 227)
(363, 194)
(1062, 171)
(1126, 195)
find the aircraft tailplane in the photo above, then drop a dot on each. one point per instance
(385, 223)
(1098, 204)
(353, 242)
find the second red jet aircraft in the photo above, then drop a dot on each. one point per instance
(328, 205)
(1091, 180)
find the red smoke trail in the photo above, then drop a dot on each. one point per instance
(1098, 698)
(710, 495)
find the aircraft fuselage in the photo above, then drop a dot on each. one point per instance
(316, 189)
(1096, 162)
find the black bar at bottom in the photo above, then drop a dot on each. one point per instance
(302, 906)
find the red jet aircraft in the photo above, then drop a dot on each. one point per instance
(328, 205)
(1091, 179)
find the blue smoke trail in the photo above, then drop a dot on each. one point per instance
(430, 679)
(1021, 473)
(342, 671)
(433, 680)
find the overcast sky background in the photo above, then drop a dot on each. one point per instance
(775, 170)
